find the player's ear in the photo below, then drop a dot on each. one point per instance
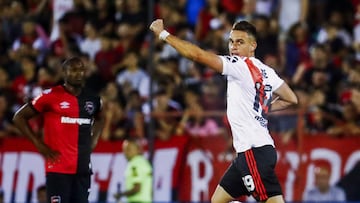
(253, 46)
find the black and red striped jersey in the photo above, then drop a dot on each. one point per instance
(68, 121)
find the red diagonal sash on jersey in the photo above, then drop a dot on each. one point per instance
(259, 86)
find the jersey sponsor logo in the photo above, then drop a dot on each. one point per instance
(89, 107)
(79, 121)
(263, 121)
(64, 105)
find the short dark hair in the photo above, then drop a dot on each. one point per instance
(71, 62)
(246, 27)
(41, 188)
(135, 141)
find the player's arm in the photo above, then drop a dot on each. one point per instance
(186, 48)
(285, 98)
(96, 132)
(132, 191)
(97, 128)
(20, 119)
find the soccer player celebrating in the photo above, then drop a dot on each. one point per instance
(253, 89)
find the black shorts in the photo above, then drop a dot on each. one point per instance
(67, 188)
(252, 173)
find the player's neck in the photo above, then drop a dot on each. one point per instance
(73, 89)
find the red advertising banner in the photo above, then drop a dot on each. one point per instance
(186, 169)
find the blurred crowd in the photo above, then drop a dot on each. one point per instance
(313, 44)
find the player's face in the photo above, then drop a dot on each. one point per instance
(129, 149)
(322, 177)
(241, 44)
(75, 74)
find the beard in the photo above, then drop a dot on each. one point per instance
(76, 84)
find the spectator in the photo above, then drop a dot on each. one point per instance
(192, 9)
(232, 6)
(266, 7)
(133, 75)
(46, 78)
(6, 126)
(163, 112)
(106, 58)
(266, 38)
(119, 10)
(322, 190)
(59, 8)
(247, 12)
(30, 43)
(217, 36)
(125, 39)
(111, 92)
(92, 42)
(297, 47)
(5, 86)
(133, 112)
(169, 77)
(213, 93)
(211, 10)
(23, 84)
(320, 73)
(335, 28)
(349, 124)
(194, 121)
(317, 120)
(66, 44)
(14, 14)
(291, 12)
(134, 15)
(117, 125)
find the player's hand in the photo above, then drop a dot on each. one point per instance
(117, 196)
(157, 26)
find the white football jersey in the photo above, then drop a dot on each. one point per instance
(249, 93)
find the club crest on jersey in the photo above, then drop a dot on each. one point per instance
(55, 199)
(89, 107)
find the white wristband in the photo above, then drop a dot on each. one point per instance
(163, 34)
